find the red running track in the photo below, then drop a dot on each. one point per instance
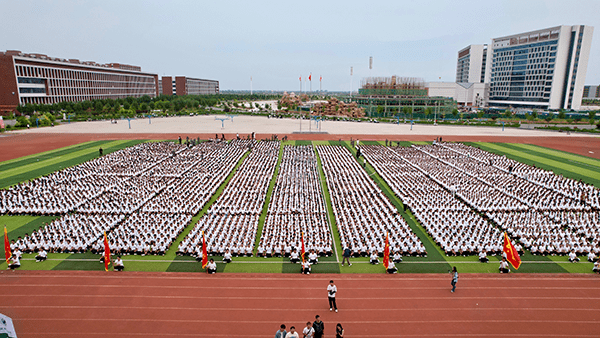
(15, 145)
(133, 304)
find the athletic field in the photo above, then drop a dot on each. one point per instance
(546, 297)
(32, 166)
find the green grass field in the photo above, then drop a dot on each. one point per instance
(29, 167)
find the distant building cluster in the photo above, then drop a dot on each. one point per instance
(543, 69)
(40, 79)
(591, 92)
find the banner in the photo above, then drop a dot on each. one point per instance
(386, 252)
(511, 253)
(7, 252)
(106, 253)
(204, 252)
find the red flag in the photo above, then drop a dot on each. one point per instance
(320, 78)
(7, 252)
(310, 77)
(106, 253)
(386, 252)
(204, 252)
(511, 253)
(300, 78)
(303, 250)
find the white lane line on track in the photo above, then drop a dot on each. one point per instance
(290, 298)
(501, 321)
(295, 309)
(299, 288)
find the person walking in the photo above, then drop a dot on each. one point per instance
(339, 331)
(454, 279)
(331, 291)
(346, 256)
(319, 327)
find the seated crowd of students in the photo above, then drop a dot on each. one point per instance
(297, 206)
(533, 207)
(231, 222)
(364, 216)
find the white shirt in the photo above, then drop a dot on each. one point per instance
(504, 265)
(212, 266)
(292, 335)
(330, 289)
(308, 332)
(118, 262)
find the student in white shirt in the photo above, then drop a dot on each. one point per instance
(374, 258)
(331, 291)
(596, 267)
(294, 258)
(227, 257)
(118, 265)
(42, 256)
(211, 267)
(397, 257)
(308, 331)
(292, 333)
(504, 266)
(16, 263)
(312, 257)
(591, 256)
(392, 267)
(573, 257)
(306, 268)
(483, 257)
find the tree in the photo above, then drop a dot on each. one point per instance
(507, 113)
(428, 111)
(455, 112)
(561, 114)
(592, 115)
(534, 113)
(480, 113)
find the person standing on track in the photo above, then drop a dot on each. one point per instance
(454, 279)
(339, 331)
(331, 291)
(319, 327)
(281, 333)
(292, 333)
(308, 331)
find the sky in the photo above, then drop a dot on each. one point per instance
(276, 42)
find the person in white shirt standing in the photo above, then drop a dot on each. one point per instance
(331, 291)
(292, 333)
(308, 331)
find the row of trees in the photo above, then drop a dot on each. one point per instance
(130, 106)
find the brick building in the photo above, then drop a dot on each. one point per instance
(181, 85)
(39, 79)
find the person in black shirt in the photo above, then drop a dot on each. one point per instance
(346, 256)
(319, 327)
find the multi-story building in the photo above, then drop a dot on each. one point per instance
(591, 92)
(181, 85)
(542, 69)
(39, 79)
(471, 64)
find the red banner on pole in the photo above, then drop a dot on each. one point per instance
(7, 252)
(386, 252)
(511, 253)
(106, 253)
(204, 252)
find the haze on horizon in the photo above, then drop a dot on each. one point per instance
(276, 42)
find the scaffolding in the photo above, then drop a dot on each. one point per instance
(399, 97)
